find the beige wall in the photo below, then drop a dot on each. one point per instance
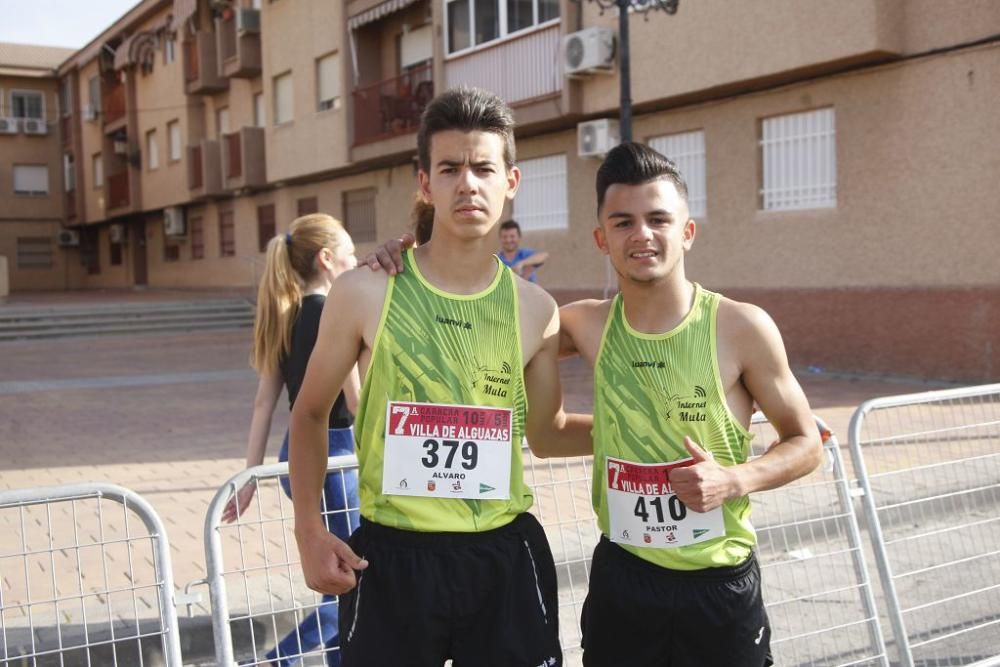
(27, 279)
(315, 140)
(160, 99)
(92, 142)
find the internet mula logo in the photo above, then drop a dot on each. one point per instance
(505, 368)
(699, 391)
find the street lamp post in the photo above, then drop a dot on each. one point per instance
(625, 7)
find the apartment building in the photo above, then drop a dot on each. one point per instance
(841, 156)
(32, 185)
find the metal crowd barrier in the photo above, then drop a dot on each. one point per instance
(85, 578)
(818, 595)
(257, 591)
(929, 466)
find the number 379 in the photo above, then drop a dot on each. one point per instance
(469, 453)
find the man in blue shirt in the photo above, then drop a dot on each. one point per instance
(523, 261)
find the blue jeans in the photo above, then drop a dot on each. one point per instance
(340, 491)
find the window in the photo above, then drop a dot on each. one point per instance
(152, 150)
(69, 172)
(27, 104)
(169, 51)
(307, 205)
(541, 198)
(799, 161)
(65, 98)
(31, 179)
(115, 252)
(174, 140)
(265, 226)
(221, 121)
(98, 167)
(259, 113)
(328, 82)
(94, 93)
(283, 109)
(416, 47)
(171, 250)
(197, 232)
(34, 252)
(474, 22)
(227, 234)
(359, 214)
(687, 150)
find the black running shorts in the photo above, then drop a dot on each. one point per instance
(642, 615)
(481, 599)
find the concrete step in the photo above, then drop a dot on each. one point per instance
(26, 323)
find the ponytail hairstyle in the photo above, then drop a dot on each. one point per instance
(289, 264)
(423, 219)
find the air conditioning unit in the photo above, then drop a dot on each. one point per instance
(120, 146)
(247, 20)
(588, 51)
(34, 126)
(116, 233)
(596, 137)
(8, 126)
(173, 221)
(89, 112)
(67, 238)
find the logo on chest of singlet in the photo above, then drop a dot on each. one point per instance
(689, 407)
(491, 381)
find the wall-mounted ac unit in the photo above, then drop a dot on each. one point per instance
(247, 20)
(116, 233)
(89, 112)
(173, 221)
(9, 126)
(67, 238)
(34, 126)
(588, 51)
(595, 138)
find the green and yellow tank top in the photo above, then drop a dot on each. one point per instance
(650, 390)
(435, 349)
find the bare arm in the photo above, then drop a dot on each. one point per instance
(352, 390)
(769, 380)
(389, 255)
(550, 431)
(530, 263)
(327, 562)
(268, 392)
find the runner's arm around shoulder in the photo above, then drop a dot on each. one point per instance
(769, 380)
(328, 563)
(550, 431)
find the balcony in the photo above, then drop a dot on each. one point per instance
(113, 103)
(392, 107)
(201, 68)
(118, 190)
(204, 169)
(66, 130)
(519, 70)
(239, 43)
(243, 159)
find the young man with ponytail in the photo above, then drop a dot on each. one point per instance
(459, 360)
(299, 268)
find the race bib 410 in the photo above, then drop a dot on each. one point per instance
(645, 512)
(447, 451)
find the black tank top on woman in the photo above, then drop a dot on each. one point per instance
(293, 367)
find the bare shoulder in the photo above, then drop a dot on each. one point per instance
(586, 311)
(360, 292)
(738, 319)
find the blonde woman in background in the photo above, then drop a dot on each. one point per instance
(300, 267)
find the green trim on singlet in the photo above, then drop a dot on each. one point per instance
(651, 390)
(417, 357)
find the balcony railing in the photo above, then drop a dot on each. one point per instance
(196, 175)
(66, 130)
(190, 60)
(392, 107)
(243, 158)
(113, 103)
(118, 190)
